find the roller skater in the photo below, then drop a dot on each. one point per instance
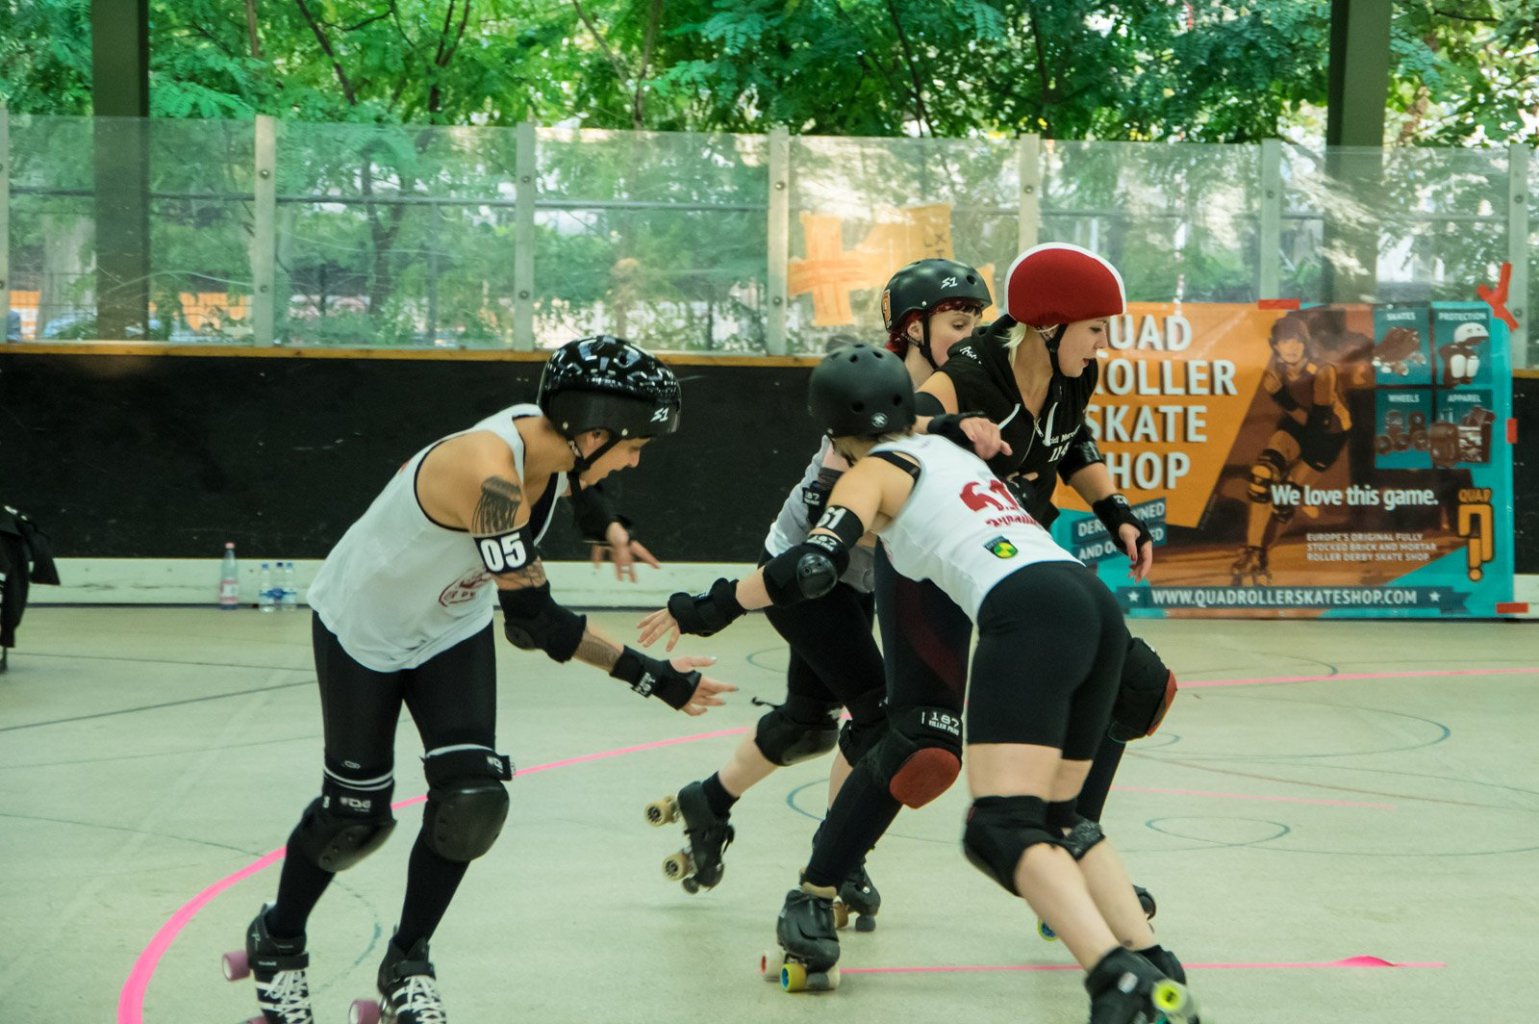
(278, 967)
(700, 866)
(404, 609)
(1032, 723)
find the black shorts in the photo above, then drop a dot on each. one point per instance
(1317, 448)
(834, 658)
(452, 698)
(1051, 643)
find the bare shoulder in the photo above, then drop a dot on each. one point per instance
(457, 472)
(940, 385)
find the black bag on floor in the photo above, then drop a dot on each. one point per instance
(26, 557)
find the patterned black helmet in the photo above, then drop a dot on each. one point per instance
(861, 391)
(606, 383)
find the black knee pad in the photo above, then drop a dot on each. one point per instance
(920, 754)
(797, 730)
(1079, 833)
(1143, 695)
(1000, 829)
(864, 730)
(466, 803)
(346, 822)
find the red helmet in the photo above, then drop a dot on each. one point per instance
(1058, 283)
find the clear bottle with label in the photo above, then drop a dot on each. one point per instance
(288, 591)
(229, 580)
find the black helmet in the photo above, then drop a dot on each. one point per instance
(924, 285)
(607, 383)
(861, 391)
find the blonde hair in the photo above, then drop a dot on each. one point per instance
(1018, 334)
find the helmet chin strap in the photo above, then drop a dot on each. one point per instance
(924, 341)
(1052, 339)
(585, 462)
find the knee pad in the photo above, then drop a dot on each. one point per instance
(1079, 833)
(346, 823)
(1000, 829)
(865, 728)
(466, 802)
(1143, 695)
(797, 730)
(1269, 468)
(920, 755)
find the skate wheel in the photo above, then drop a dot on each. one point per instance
(236, 966)
(841, 914)
(1045, 930)
(770, 963)
(661, 812)
(677, 866)
(364, 1011)
(1168, 997)
(793, 976)
(690, 885)
(865, 923)
(823, 981)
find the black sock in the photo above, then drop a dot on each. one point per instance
(431, 881)
(300, 886)
(716, 796)
(860, 814)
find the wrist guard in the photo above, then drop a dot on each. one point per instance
(949, 426)
(1113, 511)
(707, 613)
(653, 678)
(594, 511)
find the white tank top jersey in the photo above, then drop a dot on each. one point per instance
(960, 526)
(399, 588)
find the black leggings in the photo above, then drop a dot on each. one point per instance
(1050, 648)
(834, 658)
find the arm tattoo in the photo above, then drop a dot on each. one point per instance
(531, 575)
(596, 651)
(497, 508)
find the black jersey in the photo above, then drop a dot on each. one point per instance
(980, 371)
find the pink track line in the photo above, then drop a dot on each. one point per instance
(1351, 962)
(131, 999)
(1253, 796)
(1427, 674)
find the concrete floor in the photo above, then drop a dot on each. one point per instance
(150, 759)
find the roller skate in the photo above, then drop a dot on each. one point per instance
(858, 897)
(700, 866)
(1126, 988)
(1250, 569)
(1145, 900)
(809, 946)
(408, 990)
(278, 966)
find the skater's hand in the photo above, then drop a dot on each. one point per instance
(985, 436)
(659, 623)
(706, 692)
(1140, 555)
(624, 550)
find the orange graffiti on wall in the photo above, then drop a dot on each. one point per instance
(830, 272)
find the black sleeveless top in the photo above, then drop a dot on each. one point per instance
(980, 371)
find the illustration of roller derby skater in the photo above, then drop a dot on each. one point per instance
(1309, 437)
(1398, 352)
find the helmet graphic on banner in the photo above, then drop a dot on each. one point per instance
(1058, 283)
(1471, 332)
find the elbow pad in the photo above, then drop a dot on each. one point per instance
(1082, 452)
(808, 570)
(532, 620)
(1319, 418)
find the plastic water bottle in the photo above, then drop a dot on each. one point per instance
(229, 580)
(290, 593)
(267, 597)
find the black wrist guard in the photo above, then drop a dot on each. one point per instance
(1113, 511)
(594, 511)
(949, 426)
(1283, 397)
(653, 678)
(707, 613)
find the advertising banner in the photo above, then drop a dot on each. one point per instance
(1323, 461)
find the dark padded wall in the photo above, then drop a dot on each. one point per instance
(1525, 473)
(170, 456)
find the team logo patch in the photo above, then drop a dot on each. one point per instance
(999, 547)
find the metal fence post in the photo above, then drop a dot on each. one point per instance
(525, 192)
(1269, 281)
(5, 216)
(1028, 164)
(1517, 248)
(264, 234)
(779, 240)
